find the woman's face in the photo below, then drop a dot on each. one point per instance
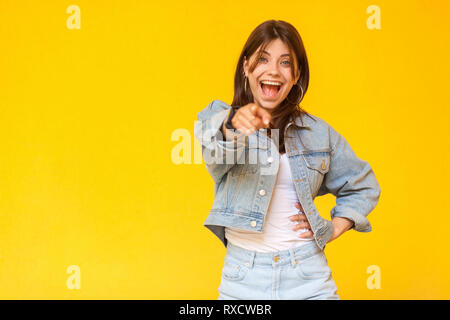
(274, 65)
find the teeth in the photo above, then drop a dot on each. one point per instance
(273, 83)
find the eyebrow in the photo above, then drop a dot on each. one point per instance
(286, 54)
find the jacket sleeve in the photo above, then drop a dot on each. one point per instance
(352, 181)
(219, 154)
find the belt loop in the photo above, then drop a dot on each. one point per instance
(292, 255)
(252, 259)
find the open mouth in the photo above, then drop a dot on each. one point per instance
(269, 90)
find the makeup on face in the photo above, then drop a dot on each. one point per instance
(271, 80)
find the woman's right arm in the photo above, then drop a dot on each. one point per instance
(218, 153)
(221, 154)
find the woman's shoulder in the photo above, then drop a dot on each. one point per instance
(311, 121)
(219, 104)
(319, 130)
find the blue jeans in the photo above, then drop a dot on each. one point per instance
(294, 274)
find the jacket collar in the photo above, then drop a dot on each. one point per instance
(299, 123)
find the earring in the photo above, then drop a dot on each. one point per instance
(301, 96)
(245, 83)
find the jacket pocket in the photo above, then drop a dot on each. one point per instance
(241, 169)
(249, 163)
(318, 164)
(234, 270)
(315, 267)
(319, 161)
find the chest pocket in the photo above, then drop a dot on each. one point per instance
(242, 169)
(318, 164)
(252, 153)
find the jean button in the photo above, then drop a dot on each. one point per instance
(253, 223)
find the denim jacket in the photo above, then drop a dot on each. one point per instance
(245, 170)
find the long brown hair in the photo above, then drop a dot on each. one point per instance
(262, 36)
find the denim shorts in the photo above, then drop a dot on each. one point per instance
(299, 273)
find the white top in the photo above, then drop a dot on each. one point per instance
(277, 233)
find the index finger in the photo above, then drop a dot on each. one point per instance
(262, 113)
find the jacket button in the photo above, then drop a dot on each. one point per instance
(253, 224)
(269, 159)
(262, 192)
(323, 165)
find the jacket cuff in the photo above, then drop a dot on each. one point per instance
(360, 222)
(216, 125)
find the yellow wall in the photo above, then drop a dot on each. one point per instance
(87, 177)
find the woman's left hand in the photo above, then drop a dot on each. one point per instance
(302, 222)
(340, 225)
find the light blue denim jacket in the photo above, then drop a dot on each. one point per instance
(244, 172)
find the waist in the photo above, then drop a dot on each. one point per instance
(280, 257)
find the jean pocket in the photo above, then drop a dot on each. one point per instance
(234, 270)
(315, 267)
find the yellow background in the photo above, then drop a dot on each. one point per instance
(86, 119)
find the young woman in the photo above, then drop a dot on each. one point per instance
(263, 210)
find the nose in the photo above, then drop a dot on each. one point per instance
(273, 68)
